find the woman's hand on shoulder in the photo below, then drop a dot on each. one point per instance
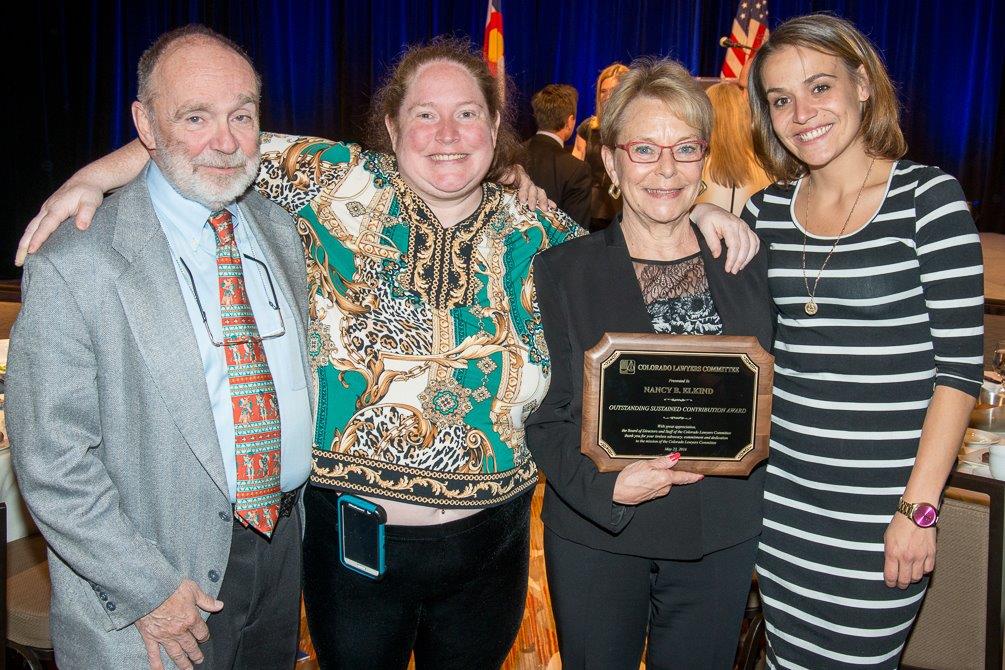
(909, 552)
(77, 197)
(647, 480)
(716, 223)
(527, 192)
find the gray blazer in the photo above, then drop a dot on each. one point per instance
(112, 435)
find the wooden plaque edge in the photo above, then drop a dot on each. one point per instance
(610, 343)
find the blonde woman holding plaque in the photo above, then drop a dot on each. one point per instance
(649, 547)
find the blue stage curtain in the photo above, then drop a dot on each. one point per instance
(72, 68)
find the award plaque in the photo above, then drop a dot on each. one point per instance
(706, 396)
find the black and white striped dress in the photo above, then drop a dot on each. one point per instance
(900, 311)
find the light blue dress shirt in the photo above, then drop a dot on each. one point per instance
(185, 223)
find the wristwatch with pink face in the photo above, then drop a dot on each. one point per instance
(924, 515)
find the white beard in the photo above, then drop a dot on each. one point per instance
(212, 191)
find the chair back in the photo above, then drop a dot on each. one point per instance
(959, 626)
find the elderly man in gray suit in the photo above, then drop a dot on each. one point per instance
(138, 341)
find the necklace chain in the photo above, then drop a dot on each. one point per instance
(811, 307)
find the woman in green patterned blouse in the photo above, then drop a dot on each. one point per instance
(427, 348)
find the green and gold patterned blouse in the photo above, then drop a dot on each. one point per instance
(425, 341)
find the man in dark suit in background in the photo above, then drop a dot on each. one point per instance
(564, 178)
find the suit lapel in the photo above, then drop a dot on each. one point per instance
(623, 305)
(155, 308)
(725, 296)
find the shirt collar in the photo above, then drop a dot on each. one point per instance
(188, 217)
(552, 136)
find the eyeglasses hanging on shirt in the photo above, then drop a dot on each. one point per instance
(273, 303)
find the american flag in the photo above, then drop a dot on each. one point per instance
(750, 28)
(492, 48)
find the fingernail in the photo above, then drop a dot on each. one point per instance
(674, 457)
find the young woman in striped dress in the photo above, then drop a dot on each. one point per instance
(875, 271)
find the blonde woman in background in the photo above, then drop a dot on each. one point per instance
(603, 206)
(732, 173)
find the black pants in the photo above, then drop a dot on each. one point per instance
(454, 593)
(604, 603)
(259, 625)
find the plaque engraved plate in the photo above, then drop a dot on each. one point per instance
(707, 397)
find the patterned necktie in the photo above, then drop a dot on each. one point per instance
(252, 391)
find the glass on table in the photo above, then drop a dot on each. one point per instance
(998, 360)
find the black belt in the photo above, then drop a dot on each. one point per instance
(286, 504)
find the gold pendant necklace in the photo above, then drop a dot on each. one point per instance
(811, 307)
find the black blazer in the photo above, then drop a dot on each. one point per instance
(565, 178)
(586, 287)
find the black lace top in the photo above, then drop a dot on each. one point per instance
(677, 297)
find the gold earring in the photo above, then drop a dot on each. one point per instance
(614, 191)
(702, 187)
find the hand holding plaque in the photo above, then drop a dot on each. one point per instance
(707, 397)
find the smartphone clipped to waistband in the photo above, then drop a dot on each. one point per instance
(361, 535)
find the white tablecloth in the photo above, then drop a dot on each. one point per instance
(19, 522)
